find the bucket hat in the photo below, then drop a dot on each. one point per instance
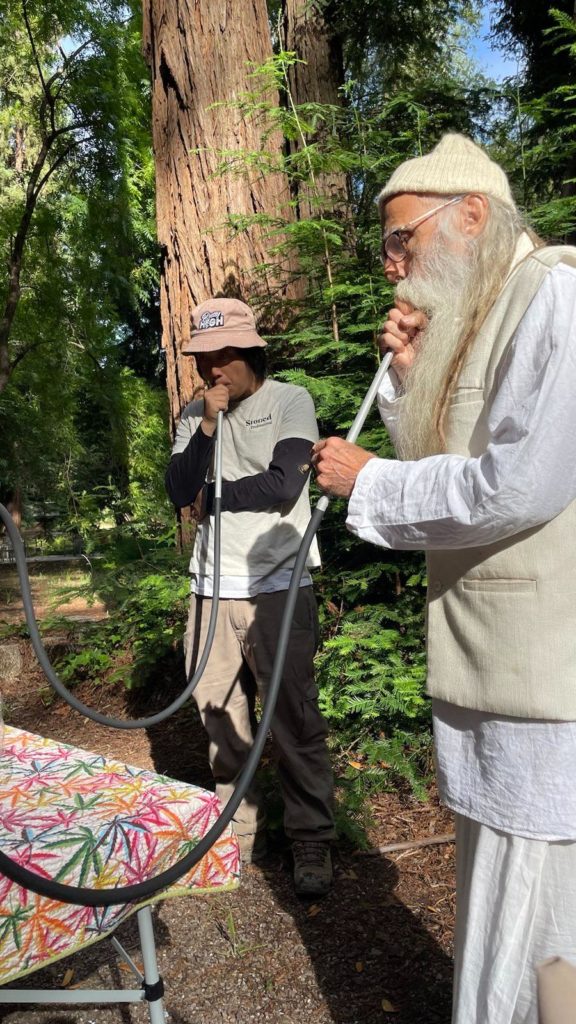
(218, 323)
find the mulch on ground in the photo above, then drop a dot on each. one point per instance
(376, 950)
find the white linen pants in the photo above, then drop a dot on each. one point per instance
(515, 906)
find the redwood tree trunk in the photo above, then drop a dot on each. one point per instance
(198, 51)
(317, 80)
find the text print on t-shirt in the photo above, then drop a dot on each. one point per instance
(261, 421)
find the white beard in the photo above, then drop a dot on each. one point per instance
(440, 285)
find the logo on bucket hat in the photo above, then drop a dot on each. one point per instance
(219, 323)
(213, 319)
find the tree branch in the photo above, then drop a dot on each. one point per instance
(57, 163)
(25, 352)
(409, 844)
(68, 69)
(33, 45)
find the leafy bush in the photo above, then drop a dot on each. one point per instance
(144, 586)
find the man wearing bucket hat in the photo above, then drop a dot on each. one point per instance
(268, 431)
(480, 405)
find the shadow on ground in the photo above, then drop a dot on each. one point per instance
(366, 954)
(361, 953)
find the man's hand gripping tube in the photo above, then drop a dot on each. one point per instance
(361, 415)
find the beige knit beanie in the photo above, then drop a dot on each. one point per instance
(455, 165)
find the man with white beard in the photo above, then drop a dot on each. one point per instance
(480, 406)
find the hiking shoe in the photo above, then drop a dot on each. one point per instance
(312, 868)
(253, 847)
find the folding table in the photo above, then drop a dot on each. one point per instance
(87, 820)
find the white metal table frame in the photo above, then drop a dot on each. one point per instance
(151, 985)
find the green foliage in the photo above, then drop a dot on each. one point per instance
(145, 589)
(534, 136)
(384, 669)
(371, 667)
(88, 305)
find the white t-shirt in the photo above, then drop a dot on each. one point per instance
(258, 549)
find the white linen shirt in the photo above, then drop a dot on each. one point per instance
(513, 774)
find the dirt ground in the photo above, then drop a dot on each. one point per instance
(376, 950)
(48, 583)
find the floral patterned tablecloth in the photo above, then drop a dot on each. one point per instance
(82, 819)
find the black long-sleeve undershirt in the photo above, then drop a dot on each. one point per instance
(186, 473)
(280, 483)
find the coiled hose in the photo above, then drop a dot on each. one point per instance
(80, 895)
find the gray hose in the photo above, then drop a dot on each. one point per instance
(143, 890)
(44, 661)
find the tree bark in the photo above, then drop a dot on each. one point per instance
(198, 51)
(317, 80)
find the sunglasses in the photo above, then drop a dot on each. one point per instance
(395, 242)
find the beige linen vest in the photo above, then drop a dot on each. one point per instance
(502, 618)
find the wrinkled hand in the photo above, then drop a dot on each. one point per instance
(401, 333)
(337, 464)
(215, 400)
